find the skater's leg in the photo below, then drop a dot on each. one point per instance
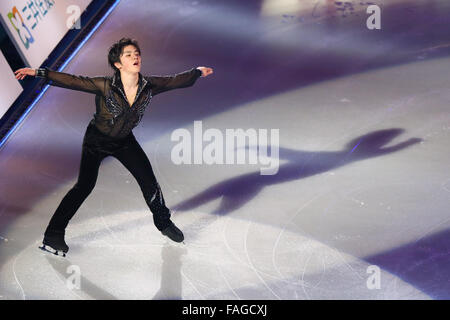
(87, 178)
(137, 162)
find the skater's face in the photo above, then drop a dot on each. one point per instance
(130, 60)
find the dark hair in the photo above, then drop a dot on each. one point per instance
(116, 50)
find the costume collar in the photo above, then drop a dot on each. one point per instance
(117, 83)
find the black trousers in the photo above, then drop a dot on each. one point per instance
(96, 147)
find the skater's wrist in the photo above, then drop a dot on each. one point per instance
(41, 72)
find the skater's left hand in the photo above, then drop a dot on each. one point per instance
(205, 71)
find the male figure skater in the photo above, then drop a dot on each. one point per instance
(120, 104)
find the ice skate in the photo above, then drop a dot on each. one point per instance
(54, 243)
(173, 233)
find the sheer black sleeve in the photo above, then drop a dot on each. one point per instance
(94, 85)
(180, 80)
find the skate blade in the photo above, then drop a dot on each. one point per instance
(53, 251)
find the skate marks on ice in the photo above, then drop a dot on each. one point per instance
(88, 290)
(228, 259)
(120, 260)
(257, 261)
(237, 191)
(44, 275)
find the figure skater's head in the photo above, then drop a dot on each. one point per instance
(125, 56)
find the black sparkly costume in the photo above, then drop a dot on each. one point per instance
(110, 134)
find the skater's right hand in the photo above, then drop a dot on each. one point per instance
(22, 73)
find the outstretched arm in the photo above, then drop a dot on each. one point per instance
(64, 80)
(180, 80)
